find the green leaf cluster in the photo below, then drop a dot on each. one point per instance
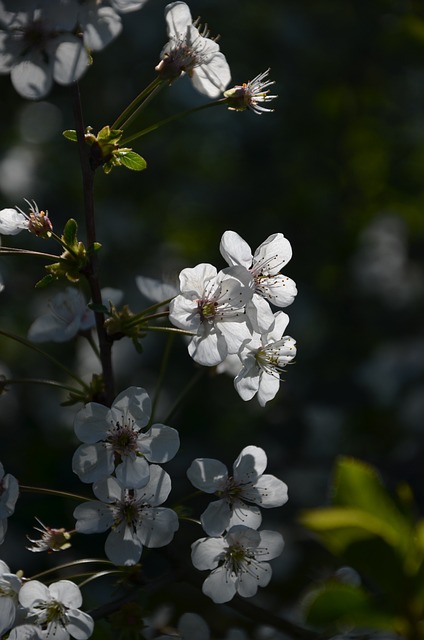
(72, 261)
(378, 536)
(106, 152)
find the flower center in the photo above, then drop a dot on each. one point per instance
(52, 611)
(207, 309)
(123, 439)
(128, 511)
(236, 557)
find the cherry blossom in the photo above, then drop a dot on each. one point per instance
(13, 221)
(9, 493)
(212, 306)
(100, 24)
(191, 51)
(238, 561)
(26, 632)
(133, 515)
(247, 484)
(264, 266)
(191, 626)
(56, 609)
(10, 585)
(38, 46)
(264, 358)
(117, 433)
(251, 95)
(67, 316)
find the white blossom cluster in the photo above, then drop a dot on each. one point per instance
(230, 316)
(120, 458)
(32, 611)
(42, 41)
(235, 552)
(28, 608)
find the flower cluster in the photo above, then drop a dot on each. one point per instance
(51, 41)
(229, 312)
(32, 610)
(235, 550)
(190, 50)
(114, 443)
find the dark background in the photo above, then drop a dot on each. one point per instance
(338, 168)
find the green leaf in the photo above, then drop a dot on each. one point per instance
(337, 604)
(131, 160)
(44, 282)
(358, 485)
(70, 233)
(70, 134)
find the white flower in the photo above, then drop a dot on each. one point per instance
(13, 221)
(10, 585)
(133, 515)
(191, 626)
(155, 290)
(191, 51)
(100, 25)
(238, 561)
(38, 46)
(26, 632)
(9, 493)
(125, 6)
(68, 315)
(248, 483)
(251, 95)
(116, 432)
(213, 306)
(264, 266)
(264, 358)
(56, 608)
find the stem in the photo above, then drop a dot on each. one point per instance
(75, 563)
(39, 254)
(51, 383)
(141, 106)
(29, 344)
(163, 367)
(184, 393)
(52, 492)
(105, 345)
(177, 116)
(121, 119)
(141, 317)
(168, 330)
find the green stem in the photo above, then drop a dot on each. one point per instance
(163, 367)
(94, 576)
(52, 492)
(51, 383)
(40, 254)
(184, 393)
(75, 563)
(182, 332)
(177, 116)
(143, 105)
(126, 114)
(32, 346)
(141, 317)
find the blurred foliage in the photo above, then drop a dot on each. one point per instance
(383, 542)
(338, 168)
